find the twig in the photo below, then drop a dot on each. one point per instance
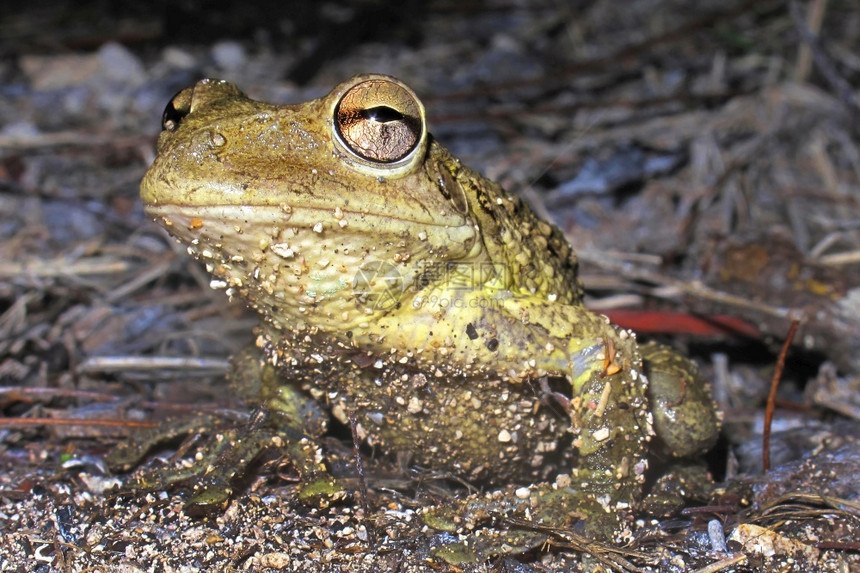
(63, 267)
(771, 397)
(362, 478)
(153, 272)
(70, 138)
(19, 393)
(815, 16)
(25, 422)
(823, 61)
(840, 259)
(119, 363)
(729, 561)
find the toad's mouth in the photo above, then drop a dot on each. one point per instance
(243, 229)
(190, 221)
(283, 198)
(283, 215)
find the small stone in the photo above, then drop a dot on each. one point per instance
(601, 434)
(282, 250)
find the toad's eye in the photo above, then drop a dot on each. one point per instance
(380, 121)
(177, 108)
(206, 92)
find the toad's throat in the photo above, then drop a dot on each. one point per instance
(333, 270)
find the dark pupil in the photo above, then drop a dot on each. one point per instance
(382, 114)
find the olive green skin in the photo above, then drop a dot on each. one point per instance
(415, 297)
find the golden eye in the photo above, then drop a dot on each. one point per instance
(379, 120)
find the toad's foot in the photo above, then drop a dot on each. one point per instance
(214, 489)
(285, 421)
(223, 459)
(516, 520)
(685, 481)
